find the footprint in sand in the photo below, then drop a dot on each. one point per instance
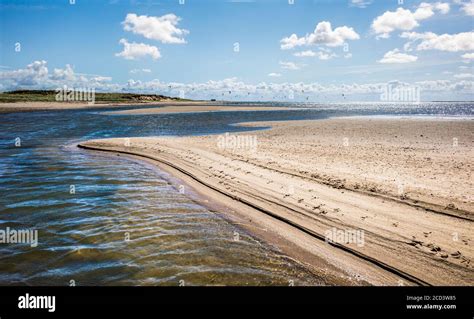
(465, 261)
(415, 243)
(457, 254)
(434, 248)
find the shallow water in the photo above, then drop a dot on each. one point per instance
(105, 220)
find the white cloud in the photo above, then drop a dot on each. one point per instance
(132, 51)
(274, 75)
(162, 28)
(463, 41)
(322, 55)
(360, 3)
(290, 65)
(64, 74)
(322, 35)
(291, 42)
(464, 76)
(395, 56)
(135, 71)
(37, 75)
(449, 89)
(99, 78)
(265, 90)
(404, 19)
(33, 74)
(443, 7)
(467, 7)
(307, 53)
(468, 56)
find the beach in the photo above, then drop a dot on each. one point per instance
(365, 201)
(198, 108)
(165, 106)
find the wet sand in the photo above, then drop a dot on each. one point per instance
(404, 186)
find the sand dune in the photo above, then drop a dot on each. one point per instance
(399, 192)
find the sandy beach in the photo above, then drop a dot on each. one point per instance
(164, 107)
(399, 192)
(196, 109)
(49, 106)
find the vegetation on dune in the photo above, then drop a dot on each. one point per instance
(50, 96)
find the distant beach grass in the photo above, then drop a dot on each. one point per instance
(50, 96)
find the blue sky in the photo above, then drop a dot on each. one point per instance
(82, 42)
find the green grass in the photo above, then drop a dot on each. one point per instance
(50, 96)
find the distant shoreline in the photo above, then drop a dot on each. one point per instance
(60, 106)
(41, 100)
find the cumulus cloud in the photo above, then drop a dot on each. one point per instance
(164, 29)
(64, 74)
(323, 34)
(274, 75)
(467, 7)
(230, 88)
(395, 56)
(33, 74)
(463, 41)
(133, 50)
(36, 75)
(404, 19)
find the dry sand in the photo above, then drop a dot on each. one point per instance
(165, 107)
(197, 109)
(406, 185)
(47, 106)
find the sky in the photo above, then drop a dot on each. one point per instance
(299, 50)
